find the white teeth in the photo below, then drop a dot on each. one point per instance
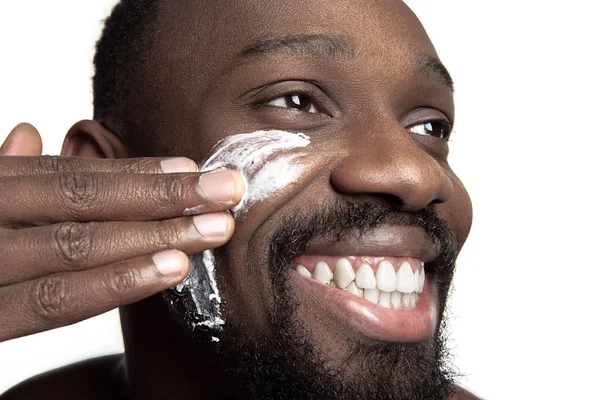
(406, 280)
(406, 299)
(417, 278)
(355, 290)
(344, 273)
(365, 278)
(322, 272)
(303, 271)
(371, 295)
(387, 288)
(396, 299)
(384, 299)
(386, 276)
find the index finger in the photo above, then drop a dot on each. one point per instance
(97, 196)
(18, 166)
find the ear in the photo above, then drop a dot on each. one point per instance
(92, 140)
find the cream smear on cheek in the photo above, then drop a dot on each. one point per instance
(268, 162)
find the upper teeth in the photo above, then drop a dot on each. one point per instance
(387, 287)
(405, 279)
(355, 290)
(386, 277)
(322, 272)
(303, 271)
(343, 274)
(365, 278)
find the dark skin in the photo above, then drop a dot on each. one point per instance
(365, 99)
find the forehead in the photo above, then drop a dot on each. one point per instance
(212, 32)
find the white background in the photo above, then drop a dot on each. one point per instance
(526, 142)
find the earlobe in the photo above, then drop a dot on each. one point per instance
(91, 139)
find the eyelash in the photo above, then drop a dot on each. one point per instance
(294, 99)
(441, 128)
(443, 132)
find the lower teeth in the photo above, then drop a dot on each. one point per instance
(393, 300)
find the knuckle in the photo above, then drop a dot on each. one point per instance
(56, 164)
(50, 297)
(166, 235)
(139, 165)
(168, 190)
(45, 163)
(73, 243)
(122, 279)
(78, 189)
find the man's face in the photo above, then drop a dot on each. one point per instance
(360, 79)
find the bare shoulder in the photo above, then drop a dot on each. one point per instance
(94, 379)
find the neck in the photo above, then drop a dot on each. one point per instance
(163, 361)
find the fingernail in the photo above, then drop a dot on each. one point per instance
(178, 165)
(212, 226)
(170, 262)
(217, 186)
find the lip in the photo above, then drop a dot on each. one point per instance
(385, 241)
(354, 314)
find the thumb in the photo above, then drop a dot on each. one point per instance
(23, 140)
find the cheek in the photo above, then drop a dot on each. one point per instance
(460, 212)
(269, 161)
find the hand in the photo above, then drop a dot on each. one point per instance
(79, 237)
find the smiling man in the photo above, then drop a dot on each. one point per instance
(348, 218)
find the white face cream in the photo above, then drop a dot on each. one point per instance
(268, 161)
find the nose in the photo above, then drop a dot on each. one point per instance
(389, 161)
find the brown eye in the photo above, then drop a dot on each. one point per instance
(296, 102)
(439, 129)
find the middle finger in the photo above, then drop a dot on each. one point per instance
(35, 252)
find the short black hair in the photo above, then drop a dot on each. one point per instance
(120, 52)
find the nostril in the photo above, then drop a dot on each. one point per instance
(407, 177)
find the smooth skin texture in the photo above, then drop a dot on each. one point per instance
(366, 75)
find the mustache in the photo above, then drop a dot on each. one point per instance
(286, 364)
(347, 216)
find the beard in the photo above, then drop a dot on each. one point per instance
(286, 364)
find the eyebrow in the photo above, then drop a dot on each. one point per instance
(318, 45)
(434, 68)
(336, 47)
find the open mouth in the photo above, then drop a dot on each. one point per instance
(391, 282)
(386, 298)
